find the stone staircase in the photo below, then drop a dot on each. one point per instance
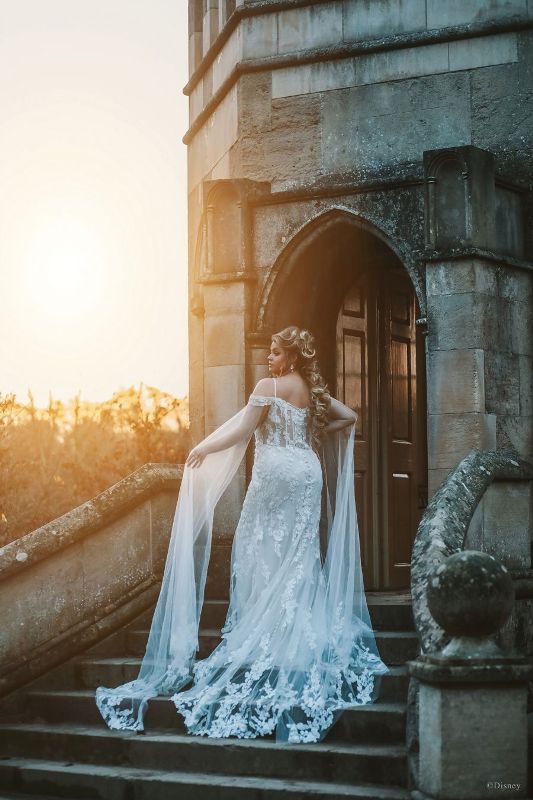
(58, 746)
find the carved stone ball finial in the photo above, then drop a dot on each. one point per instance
(471, 596)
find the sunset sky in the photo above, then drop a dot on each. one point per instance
(92, 196)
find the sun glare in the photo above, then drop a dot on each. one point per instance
(65, 268)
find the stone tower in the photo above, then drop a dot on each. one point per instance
(364, 169)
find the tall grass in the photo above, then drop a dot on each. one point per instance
(54, 458)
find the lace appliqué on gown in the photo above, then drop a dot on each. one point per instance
(284, 663)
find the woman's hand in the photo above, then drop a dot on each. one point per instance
(196, 456)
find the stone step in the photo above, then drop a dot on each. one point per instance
(395, 647)
(40, 777)
(162, 750)
(18, 796)
(376, 722)
(388, 611)
(93, 672)
(386, 614)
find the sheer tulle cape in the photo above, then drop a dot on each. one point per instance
(173, 639)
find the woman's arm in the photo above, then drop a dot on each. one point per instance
(250, 421)
(253, 416)
(340, 416)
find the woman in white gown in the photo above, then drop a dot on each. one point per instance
(297, 645)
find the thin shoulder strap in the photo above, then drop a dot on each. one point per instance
(275, 391)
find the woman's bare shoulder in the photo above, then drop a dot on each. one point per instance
(294, 389)
(264, 387)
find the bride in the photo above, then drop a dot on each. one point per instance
(297, 645)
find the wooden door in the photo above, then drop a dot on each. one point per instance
(380, 373)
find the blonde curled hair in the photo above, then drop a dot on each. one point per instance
(300, 343)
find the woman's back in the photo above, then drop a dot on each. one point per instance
(294, 389)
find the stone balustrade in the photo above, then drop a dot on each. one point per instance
(467, 703)
(473, 697)
(76, 579)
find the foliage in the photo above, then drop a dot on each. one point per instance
(55, 458)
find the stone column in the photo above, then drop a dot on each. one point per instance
(210, 24)
(227, 288)
(479, 300)
(472, 696)
(195, 34)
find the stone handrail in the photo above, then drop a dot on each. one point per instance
(441, 533)
(443, 528)
(76, 579)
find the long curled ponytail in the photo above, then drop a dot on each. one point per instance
(300, 343)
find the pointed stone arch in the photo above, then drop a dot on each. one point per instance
(335, 219)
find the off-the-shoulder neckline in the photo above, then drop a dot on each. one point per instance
(271, 397)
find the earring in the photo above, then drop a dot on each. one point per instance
(292, 367)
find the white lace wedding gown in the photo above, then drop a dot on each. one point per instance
(297, 645)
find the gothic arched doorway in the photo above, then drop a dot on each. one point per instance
(347, 285)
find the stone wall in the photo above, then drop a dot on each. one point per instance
(480, 360)
(328, 108)
(74, 580)
(311, 97)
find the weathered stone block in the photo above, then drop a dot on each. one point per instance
(522, 327)
(400, 64)
(196, 100)
(515, 284)
(327, 75)
(508, 523)
(502, 382)
(462, 321)
(32, 608)
(222, 168)
(213, 139)
(458, 277)
(225, 298)
(503, 126)
(313, 26)
(383, 18)
(465, 741)
(224, 394)
(118, 557)
(513, 432)
(195, 50)
(370, 127)
(322, 76)
(230, 54)
(456, 381)
(224, 339)
(259, 36)
(452, 436)
(483, 51)
(291, 81)
(293, 142)
(209, 28)
(525, 366)
(462, 12)
(509, 222)
(525, 59)
(494, 81)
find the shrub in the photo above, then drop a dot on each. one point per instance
(55, 458)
